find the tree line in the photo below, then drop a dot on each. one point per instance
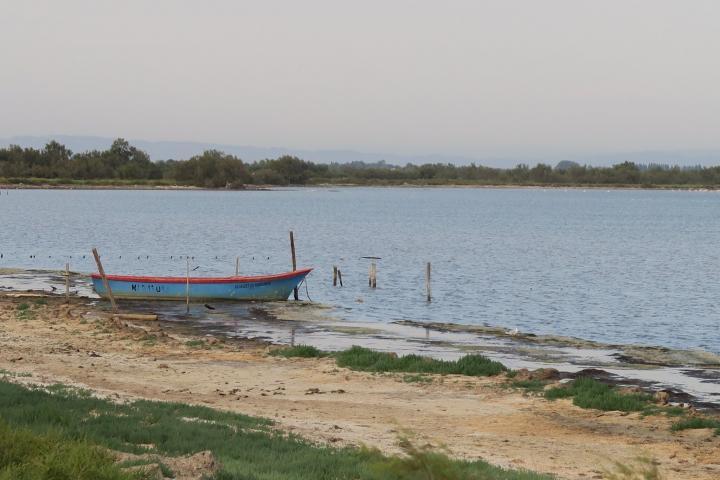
(123, 162)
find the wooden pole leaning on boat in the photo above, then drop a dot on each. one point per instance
(237, 266)
(294, 262)
(105, 280)
(427, 283)
(187, 287)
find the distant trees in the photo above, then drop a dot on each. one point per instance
(212, 169)
(215, 169)
(285, 170)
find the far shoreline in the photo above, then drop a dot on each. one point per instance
(267, 187)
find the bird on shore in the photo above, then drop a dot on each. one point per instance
(512, 332)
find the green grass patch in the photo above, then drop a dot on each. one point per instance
(529, 385)
(247, 447)
(301, 351)
(364, 359)
(24, 312)
(697, 422)
(674, 411)
(589, 393)
(560, 392)
(25, 455)
(195, 343)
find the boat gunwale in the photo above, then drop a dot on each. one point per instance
(204, 280)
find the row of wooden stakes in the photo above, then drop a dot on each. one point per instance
(372, 278)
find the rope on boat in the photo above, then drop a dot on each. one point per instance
(307, 294)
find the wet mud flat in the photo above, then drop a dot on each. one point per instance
(689, 377)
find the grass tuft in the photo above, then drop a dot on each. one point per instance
(425, 463)
(24, 312)
(364, 359)
(589, 393)
(640, 469)
(697, 422)
(529, 385)
(300, 351)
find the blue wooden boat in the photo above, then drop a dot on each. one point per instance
(263, 287)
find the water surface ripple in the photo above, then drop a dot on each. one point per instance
(612, 266)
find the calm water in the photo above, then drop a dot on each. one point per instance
(613, 266)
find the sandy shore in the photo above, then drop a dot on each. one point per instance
(78, 344)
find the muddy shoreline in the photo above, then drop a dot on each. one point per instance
(692, 375)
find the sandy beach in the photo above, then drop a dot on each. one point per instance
(78, 344)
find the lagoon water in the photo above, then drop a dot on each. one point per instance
(619, 266)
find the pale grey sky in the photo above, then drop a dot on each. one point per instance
(474, 78)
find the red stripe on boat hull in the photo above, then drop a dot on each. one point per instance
(260, 278)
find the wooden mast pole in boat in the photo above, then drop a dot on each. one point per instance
(105, 280)
(294, 262)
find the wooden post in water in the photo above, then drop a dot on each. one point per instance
(340, 276)
(237, 266)
(187, 287)
(335, 275)
(372, 281)
(67, 283)
(294, 262)
(427, 283)
(105, 280)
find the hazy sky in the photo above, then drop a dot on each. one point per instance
(476, 78)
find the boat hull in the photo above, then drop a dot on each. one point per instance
(266, 287)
